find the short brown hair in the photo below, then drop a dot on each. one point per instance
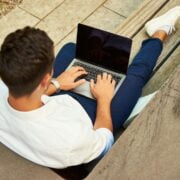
(26, 55)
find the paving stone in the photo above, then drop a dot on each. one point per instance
(70, 38)
(124, 8)
(65, 18)
(15, 20)
(102, 18)
(40, 8)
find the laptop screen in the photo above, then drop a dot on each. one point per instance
(103, 49)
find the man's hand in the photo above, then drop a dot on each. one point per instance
(67, 78)
(104, 87)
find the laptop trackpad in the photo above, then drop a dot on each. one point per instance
(84, 90)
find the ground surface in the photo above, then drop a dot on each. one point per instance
(59, 18)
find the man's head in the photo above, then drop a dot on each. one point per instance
(26, 56)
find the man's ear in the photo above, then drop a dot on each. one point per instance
(45, 81)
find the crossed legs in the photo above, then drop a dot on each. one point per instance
(128, 94)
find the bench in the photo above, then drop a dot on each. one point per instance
(149, 147)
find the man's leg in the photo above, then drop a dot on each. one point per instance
(142, 66)
(64, 58)
(138, 74)
(129, 92)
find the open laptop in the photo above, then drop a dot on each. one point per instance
(99, 51)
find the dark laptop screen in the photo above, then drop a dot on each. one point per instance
(103, 49)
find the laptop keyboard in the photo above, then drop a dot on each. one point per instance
(93, 72)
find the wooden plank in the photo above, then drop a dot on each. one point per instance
(149, 149)
(163, 73)
(14, 167)
(136, 21)
(124, 8)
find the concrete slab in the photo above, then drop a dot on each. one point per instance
(15, 167)
(16, 19)
(105, 19)
(40, 8)
(102, 18)
(65, 18)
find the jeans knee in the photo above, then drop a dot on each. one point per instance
(69, 45)
(67, 48)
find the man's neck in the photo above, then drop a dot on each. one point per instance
(25, 103)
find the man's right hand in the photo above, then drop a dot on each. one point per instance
(68, 77)
(104, 87)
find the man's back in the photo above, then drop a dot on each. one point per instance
(53, 135)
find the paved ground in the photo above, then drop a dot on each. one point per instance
(59, 18)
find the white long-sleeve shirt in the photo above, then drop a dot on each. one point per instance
(58, 134)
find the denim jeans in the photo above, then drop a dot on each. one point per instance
(129, 92)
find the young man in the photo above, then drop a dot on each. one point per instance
(67, 129)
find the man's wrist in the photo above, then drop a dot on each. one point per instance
(104, 100)
(56, 84)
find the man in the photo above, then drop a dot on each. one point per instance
(67, 129)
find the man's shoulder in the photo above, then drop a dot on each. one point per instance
(57, 98)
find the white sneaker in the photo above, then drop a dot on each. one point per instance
(165, 22)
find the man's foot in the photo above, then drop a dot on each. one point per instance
(166, 22)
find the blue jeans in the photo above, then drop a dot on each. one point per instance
(128, 94)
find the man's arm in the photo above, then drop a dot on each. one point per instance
(51, 90)
(103, 91)
(103, 117)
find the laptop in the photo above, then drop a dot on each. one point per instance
(100, 51)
